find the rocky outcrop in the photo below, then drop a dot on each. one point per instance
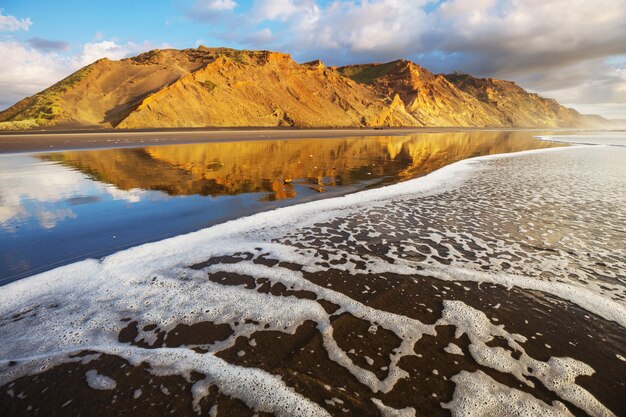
(460, 99)
(515, 106)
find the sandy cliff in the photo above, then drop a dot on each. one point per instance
(231, 88)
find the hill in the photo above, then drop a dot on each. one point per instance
(233, 88)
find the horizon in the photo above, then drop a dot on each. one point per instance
(577, 58)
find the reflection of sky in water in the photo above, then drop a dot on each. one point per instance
(61, 207)
(44, 193)
(52, 215)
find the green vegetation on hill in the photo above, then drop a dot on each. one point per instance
(210, 85)
(19, 125)
(367, 73)
(42, 108)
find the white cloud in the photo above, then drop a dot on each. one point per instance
(216, 4)
(558, 47)
(25, 70)
(220, 4)
(509, 36)
(593, 86)
(278, 9)
(488, 35)
(211, 10)
(262, 36)
(93, 51)
(48, 44)
(342, 31)
(12, 23)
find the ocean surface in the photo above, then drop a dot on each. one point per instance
(62, 207)
(494, 285)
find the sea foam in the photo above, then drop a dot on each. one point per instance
(83, 306)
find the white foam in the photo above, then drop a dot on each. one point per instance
(409, 330)
(589, 296)
(557, 374)
(260, 390)
(477, 394)
(453, 349)
(99, 381)
(230, 304)
(596, 138)
(584, 296)
(387, 411)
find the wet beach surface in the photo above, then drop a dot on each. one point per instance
(69, 139)
(61, 207)
(493, 292)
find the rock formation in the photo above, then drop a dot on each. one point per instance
(221, 87)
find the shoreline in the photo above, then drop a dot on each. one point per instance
(368, 307)
(185, 245)
(443, 148)
(57, 140)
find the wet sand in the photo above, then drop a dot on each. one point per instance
(36, 141)
(302, 362)
(414, 305)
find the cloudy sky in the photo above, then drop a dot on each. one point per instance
(572, 50)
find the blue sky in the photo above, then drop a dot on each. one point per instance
(572, 50)
(78, 22)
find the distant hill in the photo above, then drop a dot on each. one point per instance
(614, 123)
(233, 88)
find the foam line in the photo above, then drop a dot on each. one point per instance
(198, 246)
(606, 138)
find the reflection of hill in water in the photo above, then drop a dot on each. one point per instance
(274, 166)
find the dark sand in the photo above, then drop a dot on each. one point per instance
(303, 363)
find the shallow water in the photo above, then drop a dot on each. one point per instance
(490, 287)
(58, 208)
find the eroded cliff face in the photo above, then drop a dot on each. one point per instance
(231, 88)
(461, 99)
(431, 99)
(264, 89)
(516, 106)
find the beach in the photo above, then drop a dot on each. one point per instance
(57, 139)
(491, 285)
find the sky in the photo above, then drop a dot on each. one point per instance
(571, 50)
